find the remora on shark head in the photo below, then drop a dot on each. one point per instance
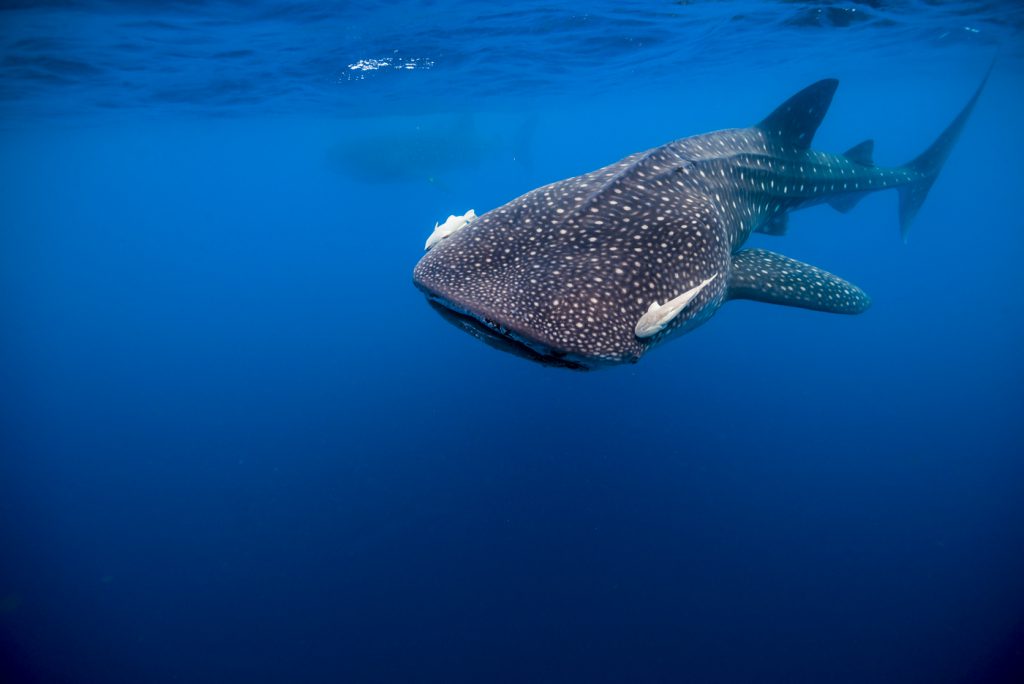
(595, 270)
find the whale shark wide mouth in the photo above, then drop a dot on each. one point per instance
(501, 337)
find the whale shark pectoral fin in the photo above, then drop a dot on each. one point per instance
(796, 120)
(658, 316)
(769, 277)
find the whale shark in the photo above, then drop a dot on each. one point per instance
(429, 148)
(597, 269)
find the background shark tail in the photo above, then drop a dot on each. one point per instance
(928, 164)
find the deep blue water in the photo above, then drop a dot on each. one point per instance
(237, 445)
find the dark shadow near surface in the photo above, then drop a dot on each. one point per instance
(430, 149)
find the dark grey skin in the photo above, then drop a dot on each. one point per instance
(564, 274)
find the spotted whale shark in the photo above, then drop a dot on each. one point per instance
(597, 269)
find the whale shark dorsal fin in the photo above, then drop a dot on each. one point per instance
(769, 277)
(862, 153)
(796, 120)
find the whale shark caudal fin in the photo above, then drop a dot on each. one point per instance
(769, 277)
(796, 120)
(929, 163)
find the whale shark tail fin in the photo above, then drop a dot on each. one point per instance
(927, 165)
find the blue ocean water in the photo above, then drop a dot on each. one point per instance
(238, 445)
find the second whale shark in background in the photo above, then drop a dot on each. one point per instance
(428, 148)
(596, 269)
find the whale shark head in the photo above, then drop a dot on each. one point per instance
(563, 274)
(547, 310)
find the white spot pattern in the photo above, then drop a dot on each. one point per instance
(569, 268)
